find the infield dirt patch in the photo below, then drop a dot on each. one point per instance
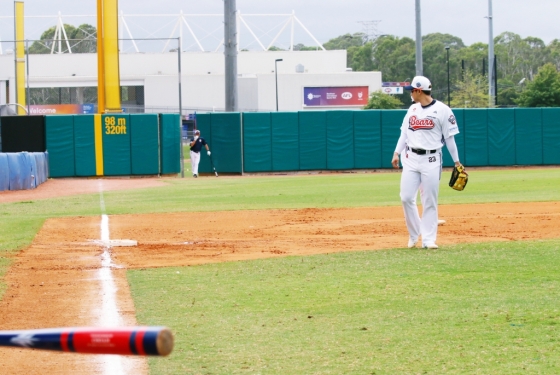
(53, 282)
(56, 283)
(181, 239)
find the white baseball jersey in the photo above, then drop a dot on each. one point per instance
(427, 127)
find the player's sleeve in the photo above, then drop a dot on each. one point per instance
(452, 148)
(203, 141)
(401, 143)
(450, 127)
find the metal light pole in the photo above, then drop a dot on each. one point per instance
(181, 107)
(230, 52)
(419, 64)
(448, 87)
(491, 70)
(276, 76)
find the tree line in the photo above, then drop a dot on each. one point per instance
(527, 68)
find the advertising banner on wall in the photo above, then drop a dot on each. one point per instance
(61, 109)
(335, 96)
(392, 90)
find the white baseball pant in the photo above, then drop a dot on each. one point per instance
(195, 160)
(421, 172)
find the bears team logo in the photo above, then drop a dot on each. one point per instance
(452, 119)
(414, 123)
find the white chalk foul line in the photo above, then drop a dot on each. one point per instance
(109, 314)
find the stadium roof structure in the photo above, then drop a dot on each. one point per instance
(197, 32)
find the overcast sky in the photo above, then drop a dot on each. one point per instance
(326, 19)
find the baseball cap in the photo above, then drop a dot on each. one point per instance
(420, 82)
(197, 132)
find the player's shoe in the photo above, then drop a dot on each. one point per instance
(195, 175)
(430, 246)
(412, 243)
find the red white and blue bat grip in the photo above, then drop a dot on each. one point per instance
(157, 341)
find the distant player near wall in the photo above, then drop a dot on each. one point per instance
(196, 146)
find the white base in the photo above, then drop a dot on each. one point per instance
(115, 243)
(121, 243)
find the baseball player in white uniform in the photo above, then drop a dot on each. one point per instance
(196, 146)
(428, 125)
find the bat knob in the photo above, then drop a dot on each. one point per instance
(164, 342)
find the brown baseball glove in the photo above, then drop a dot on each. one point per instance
(459, 178)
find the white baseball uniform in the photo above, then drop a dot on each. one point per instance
(424, 131)
(195, 153)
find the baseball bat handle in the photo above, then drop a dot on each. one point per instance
(156, 341)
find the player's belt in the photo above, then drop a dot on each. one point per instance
(419, 151)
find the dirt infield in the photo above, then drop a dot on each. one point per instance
(55, 282)
(194, 238)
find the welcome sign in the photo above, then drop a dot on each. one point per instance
(61, 109)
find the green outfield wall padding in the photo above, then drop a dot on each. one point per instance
(367, 139)
(501, 136)
(487, 137)
(391, 121)
(226, 144)
(551, 135)
(340, 140)
(285, 141)
(204, 124)
(460, 138)
(116, 145)
(257, 142)
(476, 137)
(312, 140)
(170, 143)
(144, 144)
(84, 145)
(528, 136)
(59, 134)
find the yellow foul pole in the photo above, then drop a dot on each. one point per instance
(20, 55)
(111, 56)
(100, 60)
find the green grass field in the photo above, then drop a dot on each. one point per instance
(472, 309)
(485, 308)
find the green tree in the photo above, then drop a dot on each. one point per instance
(302, 47)
(554, 53)
(435, 61)
(358, 55)
(472, 57)
(519, 58)
(544, 90)
(471, 92)
(394, 57)
(360, 59)
(508, 92)
(82, 39)
(345, 41)
(379, 100)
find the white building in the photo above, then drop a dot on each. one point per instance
(203, 81)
